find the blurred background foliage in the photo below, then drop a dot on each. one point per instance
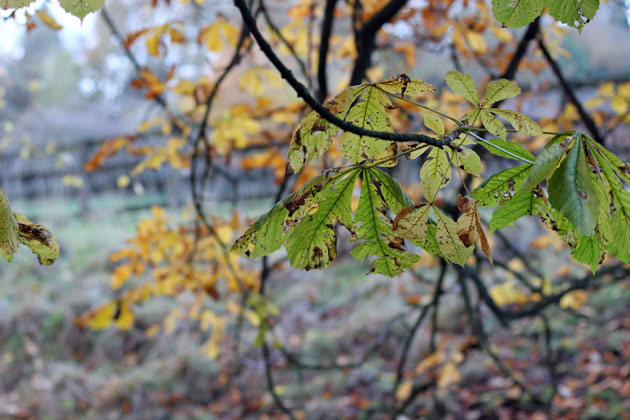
(145, 316)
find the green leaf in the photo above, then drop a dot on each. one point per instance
(517, 13)
(607, 158)
(546, 162)
(434, 123)
(374, 226)
(575, 13)
(501, 186)
(588, 252)
(38, 239)
(81, 8)
(367, 111)
(313, 242)
(429, 243)
(571, 192)
(266, 234)
(619, 222)
(9, 238)
(524, 203)
(311, 140)
(620, 246)
(435, 173)
(340, 104)
(507, 149)
(269, 232)
(467, 160)
(391, 191)
(500, 90)
(403, 85)
(14, 4)
(451, 246)
(521, 123)
(463, 85)
(492, 123)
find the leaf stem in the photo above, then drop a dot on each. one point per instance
(481, 139)
(511, 130)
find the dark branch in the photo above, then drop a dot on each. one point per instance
(437, 292)
(366, 38)
(521, 49)
(303, 92)
(271, 384)
(569, 91)
(136, 64)
(324, 44)
(282, 38)
(584, 283)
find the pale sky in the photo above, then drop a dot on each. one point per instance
(75, 35)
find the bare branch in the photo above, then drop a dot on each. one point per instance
(303, 92)
(568, 90)
(324, 44)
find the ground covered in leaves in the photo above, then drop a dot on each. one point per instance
(345, 328)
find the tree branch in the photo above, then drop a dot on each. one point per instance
(283, 39)
(324, 45)
(303, 92)
(437, 292)
(568, 90)
(521, 49)
(136, 64)
(366, 38)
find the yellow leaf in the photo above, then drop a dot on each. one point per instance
(574, 300)
(507, 293)
(176, 36)
(48, 20)
(73, 181)
(449, 374)
(619, 105)
(152, 43)
(404, 390)
(123, 181)
(430, 361)
(184, 87)
(114, 312)
(624, 90)
(218, 33)
(152, 331)
(501, 34)
(594, 102)
(120, 275)
(607, 90)
(125, 317)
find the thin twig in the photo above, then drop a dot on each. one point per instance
(324, 45)
(303, 92)
(285, 41)
(366, 38)
(550, 361)
(478, 330)
(402, 361)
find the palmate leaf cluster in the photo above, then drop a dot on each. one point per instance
(574, 185)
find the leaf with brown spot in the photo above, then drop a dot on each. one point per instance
(412, 222)
(469, 227)
(451, 246)
(402, 85)
(38, 239)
